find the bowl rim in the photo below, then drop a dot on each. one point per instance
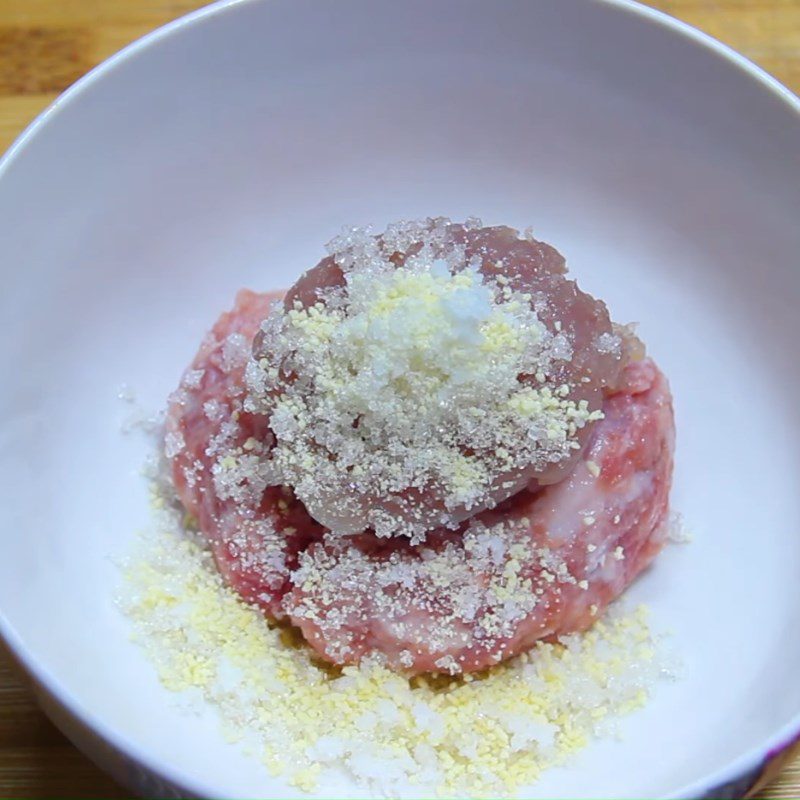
(746, 764)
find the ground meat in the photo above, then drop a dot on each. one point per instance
(543, 564)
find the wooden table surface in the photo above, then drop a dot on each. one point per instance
(45, 45)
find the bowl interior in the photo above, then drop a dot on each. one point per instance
(225, 153)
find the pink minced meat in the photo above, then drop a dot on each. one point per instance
(543, 563)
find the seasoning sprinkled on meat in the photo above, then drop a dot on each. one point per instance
(414, 378)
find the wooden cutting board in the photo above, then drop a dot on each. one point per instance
(45, 45)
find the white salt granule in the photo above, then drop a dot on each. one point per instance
(609, 343)
(213, 410)
(173, 444)
(235, 351)
(126, 393)
(138, 419)
(677, 531)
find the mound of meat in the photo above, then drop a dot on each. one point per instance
(542, 556)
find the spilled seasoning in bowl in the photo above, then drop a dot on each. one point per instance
(487, 734)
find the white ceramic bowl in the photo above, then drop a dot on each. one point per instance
(223, 150)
